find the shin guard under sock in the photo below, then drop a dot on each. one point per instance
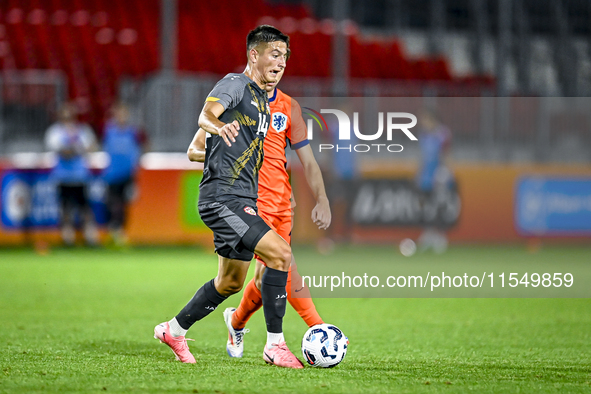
(274, 298)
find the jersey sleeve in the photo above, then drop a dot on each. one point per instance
(298, 132)
(228, 91)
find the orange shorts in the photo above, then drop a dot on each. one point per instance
(280, 222)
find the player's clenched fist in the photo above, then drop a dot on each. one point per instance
(229, 132)
(321, 215)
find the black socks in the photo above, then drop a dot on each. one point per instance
(207, 299)
(274, 298)
(202, 304)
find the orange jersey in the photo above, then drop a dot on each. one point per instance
(274, 187)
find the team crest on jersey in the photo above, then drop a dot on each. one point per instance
(279, 122)
(250, 211)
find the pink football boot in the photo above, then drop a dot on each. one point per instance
(177, 344)
(281, 356)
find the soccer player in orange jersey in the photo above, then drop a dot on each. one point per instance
(275, 205)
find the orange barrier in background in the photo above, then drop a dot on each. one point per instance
(165, 210)
(159, 215)
(487, 193)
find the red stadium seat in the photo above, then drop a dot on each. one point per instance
(88, 40)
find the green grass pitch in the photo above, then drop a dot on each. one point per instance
(81, 320)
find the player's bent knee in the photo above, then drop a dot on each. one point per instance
(282, 258)
(286, 257)
(274, 251)
(278, 260)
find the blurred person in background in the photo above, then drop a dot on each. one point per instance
(433, 178)
(72, 140)
(124, 143)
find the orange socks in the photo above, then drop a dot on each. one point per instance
(250, 303)
(299, 298)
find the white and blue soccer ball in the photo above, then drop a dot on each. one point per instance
(324, 346)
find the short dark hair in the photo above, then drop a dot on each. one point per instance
(265, 33)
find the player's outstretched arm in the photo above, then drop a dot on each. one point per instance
(196, 151)
(208, 121)
(321, 213)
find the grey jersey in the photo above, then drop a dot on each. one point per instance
(231, 172)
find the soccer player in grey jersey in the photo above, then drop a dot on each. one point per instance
(246, 103)
(236, 115)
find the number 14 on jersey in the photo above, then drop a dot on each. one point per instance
(263, 125)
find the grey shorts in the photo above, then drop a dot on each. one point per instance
(237, 227)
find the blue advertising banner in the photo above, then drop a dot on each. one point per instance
(29, 199)
(553, 206)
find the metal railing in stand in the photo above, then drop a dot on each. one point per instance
(484, 128)
(28, 103)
